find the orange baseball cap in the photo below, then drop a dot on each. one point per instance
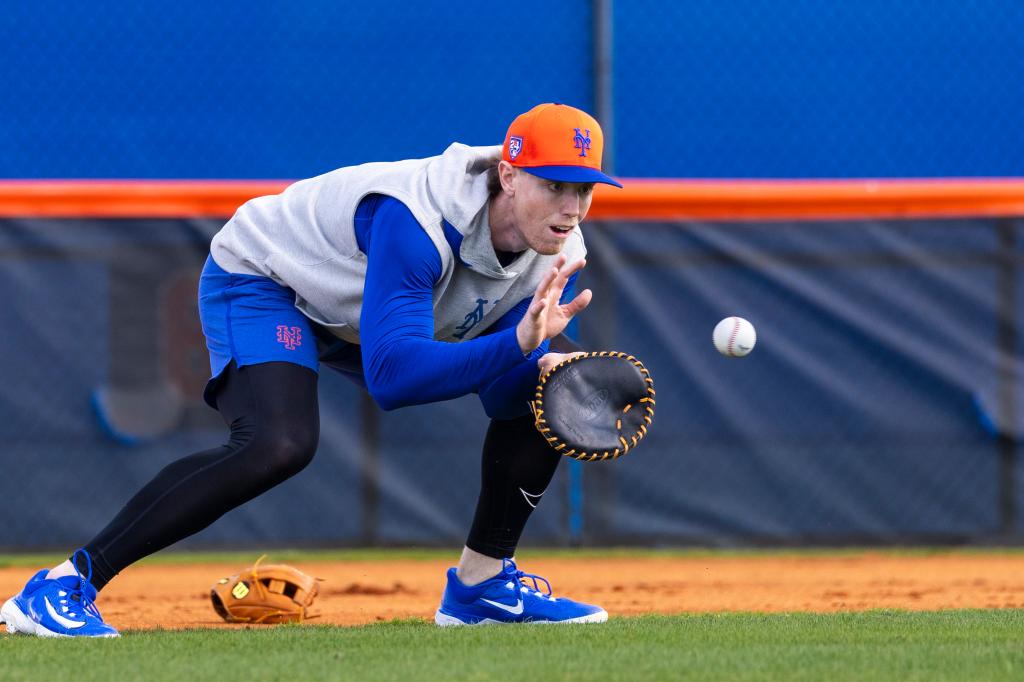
(557, 142)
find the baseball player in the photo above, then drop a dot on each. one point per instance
(422, 280)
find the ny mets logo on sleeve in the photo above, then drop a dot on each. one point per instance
(289, 337)
(581, 141)
(515, 145)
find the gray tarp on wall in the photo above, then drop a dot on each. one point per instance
(879, 405)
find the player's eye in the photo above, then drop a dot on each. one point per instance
(586, 189)
(555, 186)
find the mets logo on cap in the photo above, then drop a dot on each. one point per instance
(515, 145)
(581, 141)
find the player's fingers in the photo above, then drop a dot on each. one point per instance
(576, 305)
(559, 264)
(546, 362)
(568, 271)
(558, 286)
(545, 284)
(549, 360)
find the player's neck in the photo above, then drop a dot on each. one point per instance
(504, 235)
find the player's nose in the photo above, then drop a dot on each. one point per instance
(571, 204)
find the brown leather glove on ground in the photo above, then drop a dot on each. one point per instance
(271, 593)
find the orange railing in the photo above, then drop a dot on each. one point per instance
(640, 200)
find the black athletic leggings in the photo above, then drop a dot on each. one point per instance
(273, 415)
(274, 419)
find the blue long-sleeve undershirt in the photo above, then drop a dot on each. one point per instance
(402, 363)
(508, 396)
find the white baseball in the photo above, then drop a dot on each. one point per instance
(734, 337)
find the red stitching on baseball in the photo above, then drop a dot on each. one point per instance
(732, 336)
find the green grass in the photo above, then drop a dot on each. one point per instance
(875, 645)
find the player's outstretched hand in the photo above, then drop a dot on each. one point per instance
(546, 318)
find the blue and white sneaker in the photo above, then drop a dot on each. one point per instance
(58, 607)
(505, 599)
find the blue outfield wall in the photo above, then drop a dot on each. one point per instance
(880, 405)
(273, 90)
(806, 89)
(700, 89)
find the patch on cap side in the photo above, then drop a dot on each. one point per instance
(515, 145)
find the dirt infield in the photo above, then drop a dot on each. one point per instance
(356, 592)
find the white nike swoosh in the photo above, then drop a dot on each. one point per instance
(527, 497)
(514, 610)
(66, 622)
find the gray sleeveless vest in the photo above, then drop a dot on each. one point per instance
(304, 239)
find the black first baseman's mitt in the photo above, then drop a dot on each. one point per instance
(271, 593)
(595, 406)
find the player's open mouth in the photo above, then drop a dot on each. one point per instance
(559, 229)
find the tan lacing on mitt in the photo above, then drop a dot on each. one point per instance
(274, 593)
(595, 406)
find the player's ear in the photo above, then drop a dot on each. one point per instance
(508, 175)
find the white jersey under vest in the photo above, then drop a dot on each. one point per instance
(304, 239)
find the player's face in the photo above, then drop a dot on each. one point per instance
(546, 211)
